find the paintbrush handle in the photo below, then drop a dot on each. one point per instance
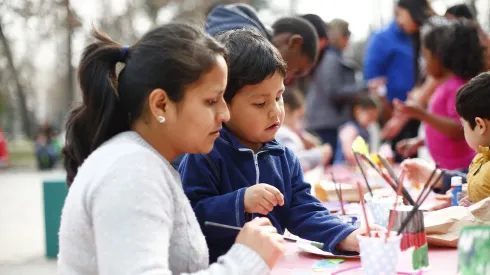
(316, 244)
(417, 206)
(388, 167)
(356, 156)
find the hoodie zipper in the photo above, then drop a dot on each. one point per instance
(257, 173)
(256, 162)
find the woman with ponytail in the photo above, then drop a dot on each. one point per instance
(126, 212)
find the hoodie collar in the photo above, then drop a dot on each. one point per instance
(227, 137)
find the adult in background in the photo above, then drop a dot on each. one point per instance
(394, 53)
(333, 87)
(294, 37)
(321, 29)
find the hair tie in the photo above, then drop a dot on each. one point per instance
(124, 52)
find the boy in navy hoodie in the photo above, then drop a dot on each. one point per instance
(249, 174)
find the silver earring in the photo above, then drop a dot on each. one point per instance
(161, 119)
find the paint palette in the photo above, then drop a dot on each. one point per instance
(306, 247)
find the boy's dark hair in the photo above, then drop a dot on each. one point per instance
(251, 59)
(293, 98)
(298, 25)
(456, 44)
(168, 57)
(460, 11)
(318, 24)
(473, 99)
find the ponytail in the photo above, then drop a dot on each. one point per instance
(112, 103)
(100, 116)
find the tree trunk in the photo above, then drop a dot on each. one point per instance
(69, 76)
(27, 126)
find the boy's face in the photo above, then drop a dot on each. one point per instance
(257, 112)
(475, 137)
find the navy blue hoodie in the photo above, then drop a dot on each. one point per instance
(215, 184)
(234, 16)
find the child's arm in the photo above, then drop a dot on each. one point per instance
(446, 125)
(200, 180)
(309, 219)
(347, 136)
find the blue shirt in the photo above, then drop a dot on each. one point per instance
(215, 184)
(390, 53)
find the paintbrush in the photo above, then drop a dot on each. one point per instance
(362, 172)
(393, 213)
(363, 208)
(427, 183)
(408, 199)
(339, 194)
(417, 206)
(315, 244)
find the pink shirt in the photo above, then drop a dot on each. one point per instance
(448, 152)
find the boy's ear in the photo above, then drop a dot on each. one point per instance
(295, 42)
(482, 125)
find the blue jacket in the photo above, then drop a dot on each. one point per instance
(215, 185)
(390, 53)
(234, 16)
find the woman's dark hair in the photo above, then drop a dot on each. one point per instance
(473, 99)
(460, 11)
(293, 98)
(169, 57)
(252, 58)
(456, 45)
(420, 11)
(300, 26)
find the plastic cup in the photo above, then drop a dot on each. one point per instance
(380, 206)
(414, 249)
(379, 257)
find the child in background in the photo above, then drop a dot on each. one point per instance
(453, 52)
(365, 112)
(248, 173)
(291, 136)
(472, 106)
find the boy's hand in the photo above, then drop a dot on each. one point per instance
(262, 198)
(466, 202)
(351, 243)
